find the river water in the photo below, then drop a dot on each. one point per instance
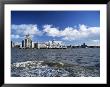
(76, 62)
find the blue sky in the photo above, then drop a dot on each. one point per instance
(72, 27)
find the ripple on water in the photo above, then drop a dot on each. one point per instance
(50, 69)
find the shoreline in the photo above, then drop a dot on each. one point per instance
(59, 48)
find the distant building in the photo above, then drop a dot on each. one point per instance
(35, 45)
(84, 45)
(17, 46)
(27, 42)
(69, 46)
(12, 44)
(42, 45)
(55, 44)
(50, 44)
(93, 46)
(32, 44)
(22, 43)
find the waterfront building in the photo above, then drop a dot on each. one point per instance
(55, 44)
(32, 44)
(12, 44)
(84, 45)
(93, 46)
(17, 46)
(70, 46)
(27, 42)
(35, 45)
(42, 45)
(22, 43)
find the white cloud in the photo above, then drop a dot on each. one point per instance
(15, 36)
(81, 33)
(70, 33)
(17, 43)
(24, 29)
(94, 42)
(51, 31)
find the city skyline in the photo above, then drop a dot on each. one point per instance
(71, 27)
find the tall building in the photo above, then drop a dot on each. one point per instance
(27, 42)
(35, 45)
(12, 44)
(22, 43)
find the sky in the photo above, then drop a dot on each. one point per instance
(71, 27)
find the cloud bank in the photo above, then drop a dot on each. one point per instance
(70, 33)
(51, 31)
(80, 33)
(24, 29)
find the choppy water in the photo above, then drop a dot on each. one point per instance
(75, 62)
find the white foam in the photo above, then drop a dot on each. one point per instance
(35, 68)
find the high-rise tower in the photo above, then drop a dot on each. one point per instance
(27, 42)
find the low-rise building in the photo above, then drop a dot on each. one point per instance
(55, 44)
(42, 45)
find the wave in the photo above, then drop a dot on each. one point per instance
(50, 69)
(37, 68)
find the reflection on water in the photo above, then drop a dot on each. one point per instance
(55, 62)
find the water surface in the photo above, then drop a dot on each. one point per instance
(74, 62)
